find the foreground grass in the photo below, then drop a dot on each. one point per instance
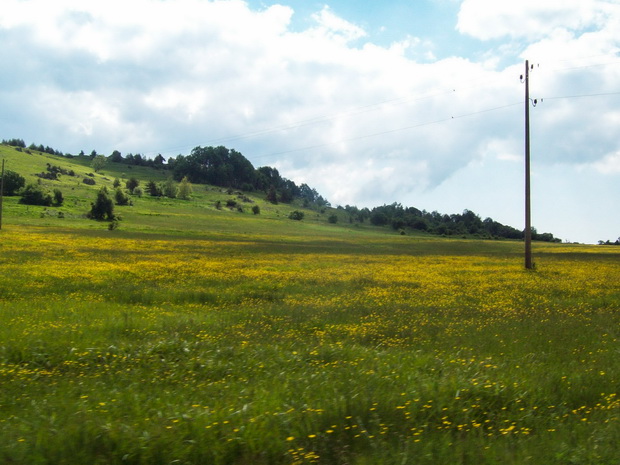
(120, 347)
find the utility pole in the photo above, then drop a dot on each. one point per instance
(528, 219)
(1, 191)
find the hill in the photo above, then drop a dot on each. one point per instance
(225, 187)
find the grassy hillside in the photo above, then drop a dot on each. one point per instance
(194, 335)
(157, 214)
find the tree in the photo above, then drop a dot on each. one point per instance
(185, 189)
(131, 184)
(13, 182)
(33, 194)
(116, 157)
(103, 207)
(153, 189)
(169, 188)
(296, 215)
(58, 198)
(98, 163)
(120, 197)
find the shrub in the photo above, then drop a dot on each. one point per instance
(256, 210)
(58, 198)
(169, 188)
(117, 183)
(33, 194)
(296, 215)
(153, 189)
(131, 184)
(185, 189)
(103, 207)
(332, 219)
(13, 182)
(89, 181)
(120, 197)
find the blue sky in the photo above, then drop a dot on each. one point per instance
(417, 102)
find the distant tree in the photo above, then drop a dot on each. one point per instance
(120, 197)
(332, 219)
(185, 189)
(296, 215)
(256, 210)
(81, 154)
(116, 157)
(13, 182)
(169, 188)
(158, 161)
(98, 163)
(103, 207)
(33, 194)
(117, 183)
(93, 154)
(379, 219)
(131, 184)
(153, 189)
(272, 195)
(58, 198)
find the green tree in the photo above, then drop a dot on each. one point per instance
(296, 215)
(185, 189)
(131, 184)
(58, 198)
(169, 188)
(33, 194)
(153, 189)
(117, 183)
(98, 163)
(120, 197)
(103, 207)
(13, 182)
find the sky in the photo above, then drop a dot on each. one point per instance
(419, 102)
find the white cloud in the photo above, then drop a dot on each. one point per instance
(363, 123)
(531, 19)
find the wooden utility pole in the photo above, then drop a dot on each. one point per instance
(1, 191)
(528, 218)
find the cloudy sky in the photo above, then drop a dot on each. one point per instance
(411, 101)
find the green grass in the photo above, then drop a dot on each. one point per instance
(198, 336)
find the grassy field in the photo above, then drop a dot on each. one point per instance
(192, 335)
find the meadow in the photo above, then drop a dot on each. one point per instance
(351, 347)
(194, 335)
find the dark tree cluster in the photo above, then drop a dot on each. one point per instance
(608, 242)
(220, 166)
(467, 223)
(14, 143)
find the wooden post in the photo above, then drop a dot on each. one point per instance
(1, 191)
(528, 218)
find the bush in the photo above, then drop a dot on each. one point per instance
(13, 182)
(185, 189)
(120, 197)
(103, 207)
(332, 219)
(296, 215)
(33, 194)
(153, 189)
(131, 184)
(58, 198)
(256, 210)
(89, 181)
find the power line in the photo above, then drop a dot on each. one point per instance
(366, 136)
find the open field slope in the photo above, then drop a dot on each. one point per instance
(197, 336)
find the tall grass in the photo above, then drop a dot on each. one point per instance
(124, 347)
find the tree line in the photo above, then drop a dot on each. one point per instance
(224, 167)
(467, 223)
